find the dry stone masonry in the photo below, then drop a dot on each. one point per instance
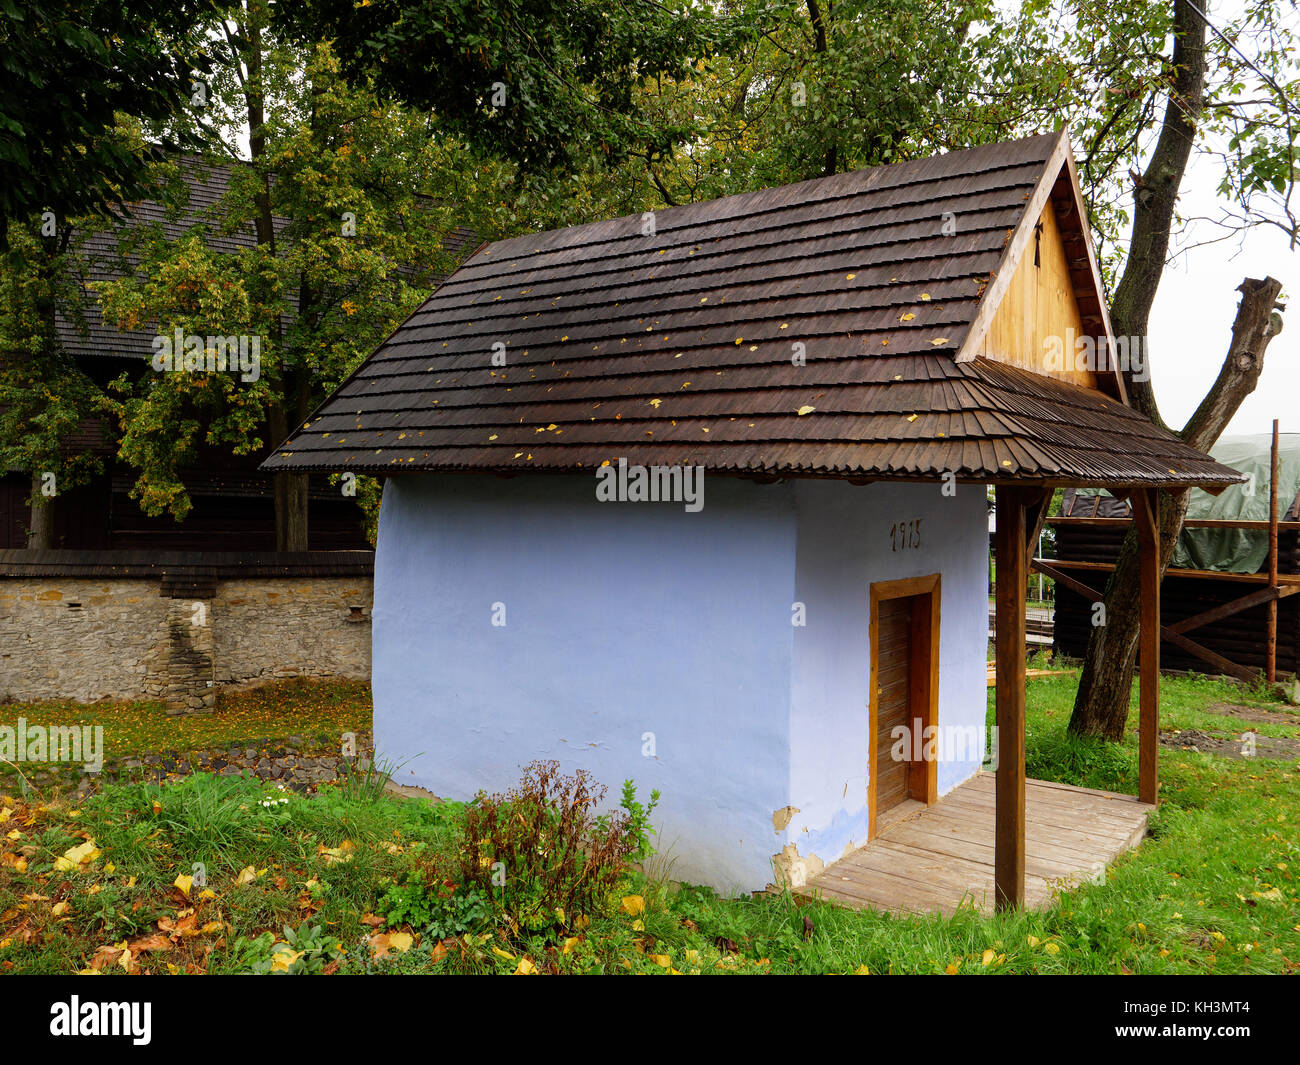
(88, 639)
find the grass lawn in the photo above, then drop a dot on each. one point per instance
(318, 712)
(352, 880)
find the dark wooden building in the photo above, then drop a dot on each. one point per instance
(233, 508)
(1089, 533)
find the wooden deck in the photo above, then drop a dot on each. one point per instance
(929, 858)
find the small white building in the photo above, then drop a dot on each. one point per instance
(846, 363)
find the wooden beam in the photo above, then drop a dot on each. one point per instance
(1174, 633)
(1226, 610)
(1061, 577)
(1224, 665)
(1171, 571)
(1036, 507)
(1257, 524)
(1146, 515)
(1009, 661)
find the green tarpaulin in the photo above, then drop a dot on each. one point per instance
(1239, 550)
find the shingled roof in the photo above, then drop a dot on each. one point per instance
(673, 344)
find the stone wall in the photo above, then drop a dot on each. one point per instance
(109, 638)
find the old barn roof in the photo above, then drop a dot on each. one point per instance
(673, 343)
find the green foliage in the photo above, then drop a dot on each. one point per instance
(70, 71)
(304, 951)
(432, 906)
(364, 199)
(638, 826)
(546, 83)
(45, 397)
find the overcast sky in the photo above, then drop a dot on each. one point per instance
(1191, 322)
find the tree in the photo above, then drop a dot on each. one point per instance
(68, 75)
(348, 238)
(1102, 702)
(44, 396)
(548, 84)
(68, 71)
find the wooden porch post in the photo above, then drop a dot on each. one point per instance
(1009, 668)
(1146, 516)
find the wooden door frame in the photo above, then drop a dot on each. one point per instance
(923, 685)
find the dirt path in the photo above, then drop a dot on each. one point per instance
(1264, 746)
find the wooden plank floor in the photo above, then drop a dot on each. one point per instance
(937, 857)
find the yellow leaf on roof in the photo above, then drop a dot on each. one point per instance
(655, 402)
(925, 295)
(906, 317)
(939, 340)
(805, 410)
(849, 277)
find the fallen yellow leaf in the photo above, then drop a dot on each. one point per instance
(283, 956)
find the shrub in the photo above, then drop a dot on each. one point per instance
(540, 851)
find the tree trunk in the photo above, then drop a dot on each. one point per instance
(1102, 704)
(290, 489)
(290, 511)
(40, 528)
(1155, 195)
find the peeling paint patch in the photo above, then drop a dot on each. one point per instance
(783, 816)
(792, 870)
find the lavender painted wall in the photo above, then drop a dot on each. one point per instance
(626, 619)
(621, 619)
(844, 547)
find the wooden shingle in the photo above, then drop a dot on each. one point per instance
(811, 330)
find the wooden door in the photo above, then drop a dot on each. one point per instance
(893, 698)
(904, 694)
